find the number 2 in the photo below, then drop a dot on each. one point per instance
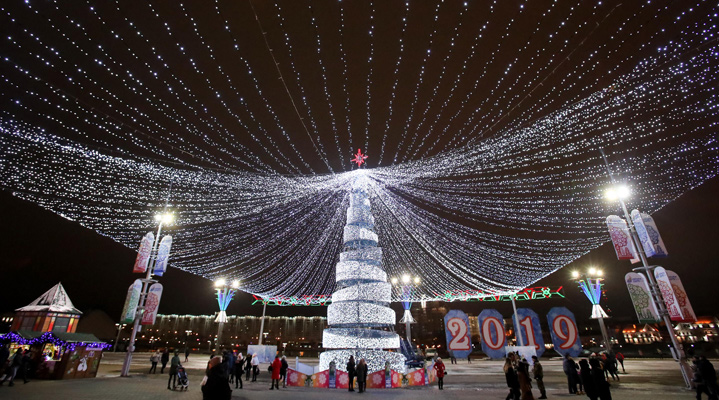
(458, 328)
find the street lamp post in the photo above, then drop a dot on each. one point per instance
(120, 327)
(187, 334)
(225, 293)
(165, 218)
(620, 193)
(262, 322)
(407, 284)
(593, 290)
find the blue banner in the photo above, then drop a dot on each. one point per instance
(492, 333)
(456, 328)
(528, 321)
(564, 331)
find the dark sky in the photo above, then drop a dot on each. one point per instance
(571, 51)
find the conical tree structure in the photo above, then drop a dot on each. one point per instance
(361, 323)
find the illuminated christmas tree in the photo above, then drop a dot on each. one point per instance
(361, 323)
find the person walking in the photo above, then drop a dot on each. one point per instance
(570, 369)
(215, 385)
(599, 380)
(351, 373)
(283, 371)
(239, 369)
(164, 359)
(13, 368)
(255, 367)
(510, 374)
(620, 358)
(248, 366)
(699, 384)
(525, 382)
(362, 375)
(585, 374)
(275, 369)
(538, 374)
(452, 358)
(228, 362)
(440, 369)
(4, 355)
(187, 353)
(709, 375)
(610, 365)
(154, 359)
(173, 371)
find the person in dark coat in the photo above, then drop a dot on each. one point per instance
(699, 384)
(362, 375)
(709, 375)
(525, 382)
(538, 373)
(351, 372)
(12, 370)
(510, 375)
(439, 367)
(570, 369)
(283, 371)
(4, 355)
(164, 360)
(248, 366)
(216, 386)
(586, 375)
(239, 370)
(275, 369)
(173, 371)
(599, 380)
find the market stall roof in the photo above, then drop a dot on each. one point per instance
(54, 300)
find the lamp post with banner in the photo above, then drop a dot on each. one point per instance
(407, 284)
(225, 292)
(152, 261)
(620, 192)
(591, 285)
(119, 327)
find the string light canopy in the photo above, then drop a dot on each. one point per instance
(483, 119)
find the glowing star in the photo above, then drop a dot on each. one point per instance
(359, 158)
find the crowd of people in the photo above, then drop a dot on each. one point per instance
(222, 371)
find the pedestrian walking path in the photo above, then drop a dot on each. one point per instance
(645, 380)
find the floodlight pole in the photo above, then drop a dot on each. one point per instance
(141, 304)
(655, 293)
(262, 321)
(515, 320)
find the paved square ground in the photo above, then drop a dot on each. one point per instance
(645, 379)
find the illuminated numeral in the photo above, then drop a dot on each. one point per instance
(529, 331)
(566, 330)
(498, 325)
(458, 328)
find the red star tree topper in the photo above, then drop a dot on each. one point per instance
(359, 158)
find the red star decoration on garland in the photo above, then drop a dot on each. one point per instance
(359, 158)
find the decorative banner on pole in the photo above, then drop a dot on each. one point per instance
(641, 298)
(619, 232)
(648, 234)
(530, 329)
(163, 254)
(670, 299)
(143, 254)
(492, 333)
(456, 328)
(681, 295)
(133, 297)
(152, 303)
(564, 331)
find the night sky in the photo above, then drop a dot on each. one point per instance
(200, 86)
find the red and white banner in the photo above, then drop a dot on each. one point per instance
(152, 303)
(143, 254)
(131, 300)
(670, 300)
(163, 254)
(681, 295)
(619, 232)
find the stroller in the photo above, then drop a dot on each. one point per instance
(182, 380)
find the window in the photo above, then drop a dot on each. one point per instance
(61, 324)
